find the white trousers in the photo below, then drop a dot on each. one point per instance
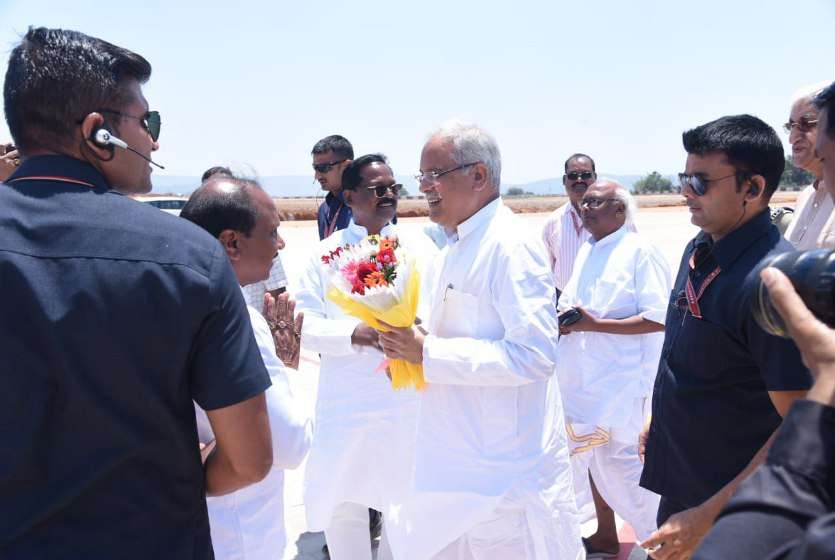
(616, 471)
(505, 535)
(348, 535)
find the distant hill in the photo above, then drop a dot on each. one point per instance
(303, 185)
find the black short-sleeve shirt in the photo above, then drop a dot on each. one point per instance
(711, 411)
(114, 317)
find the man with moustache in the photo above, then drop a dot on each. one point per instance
(492, 478)
(331, 155)
(607, 360)
(563, 232)
(723, 384)
(813, 225)
(361, 454)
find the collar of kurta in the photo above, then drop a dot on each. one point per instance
(477, 220)
(57, 167)
(610, 239)
(729, 248)
(362, 231)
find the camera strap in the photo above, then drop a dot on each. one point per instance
(53, 178)
(693, 297)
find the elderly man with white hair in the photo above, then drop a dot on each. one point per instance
(492, 477)
(611, 325)
(813, 225)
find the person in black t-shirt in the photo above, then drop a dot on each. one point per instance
(115, 318)
(331, 155)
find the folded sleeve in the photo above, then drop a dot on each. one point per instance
(652, 285)
(225, 366)
(521, 292)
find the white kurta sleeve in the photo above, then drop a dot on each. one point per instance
(652, 285)
(523, 298)
(291, 429)
(320, 333)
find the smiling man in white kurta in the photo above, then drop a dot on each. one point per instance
(364, 437)
(492, 476)
(606, 361)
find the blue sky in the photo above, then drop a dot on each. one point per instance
(257, 83)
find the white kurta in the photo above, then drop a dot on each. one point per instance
(491, 424)
(249, 524)
(813, 226)
(600, 374)
(363, 441)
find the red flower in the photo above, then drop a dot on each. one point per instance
(386, 256)
(364, 269)
(326, 259)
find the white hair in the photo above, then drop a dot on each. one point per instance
(471, 144)
(809, 92)
(630, 207)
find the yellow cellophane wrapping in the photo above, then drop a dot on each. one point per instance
(403, 374)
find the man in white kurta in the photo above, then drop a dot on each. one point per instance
(364, 438)
(606, 362)
(249, 524)
(492, 477)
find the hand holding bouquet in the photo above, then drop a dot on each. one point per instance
(375, 280)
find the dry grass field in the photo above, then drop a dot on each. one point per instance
(292, 209)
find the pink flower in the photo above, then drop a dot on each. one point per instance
(349, 271)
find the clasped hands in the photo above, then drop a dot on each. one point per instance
(399, 343)
(285, 327)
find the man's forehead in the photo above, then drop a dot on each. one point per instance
(324, 157)
(600, 190)
(706, 162)
(580, 163)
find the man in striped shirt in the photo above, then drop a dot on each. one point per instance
(564, 232)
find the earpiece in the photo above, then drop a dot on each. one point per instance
(104, 138)
(754, 190)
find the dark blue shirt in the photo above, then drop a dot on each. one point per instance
(334, 214)
(711, 411)
(115, 315)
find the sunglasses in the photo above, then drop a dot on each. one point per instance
(592, 202)
(699, 184)
(150, 121)
(325, 167)
(803, 125)
(584, 175)
(381, 190)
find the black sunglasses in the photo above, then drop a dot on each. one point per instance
(585, 175)
(381, 190)
(325, 167)
(699, 184)
(150, 121)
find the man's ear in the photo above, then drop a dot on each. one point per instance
(89, 125)
(348, 195)
(229, 239)
(756, 187)
(479, 175)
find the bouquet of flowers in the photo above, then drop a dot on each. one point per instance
(375, 280)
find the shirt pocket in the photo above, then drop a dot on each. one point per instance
(615, 299)
(459, 315)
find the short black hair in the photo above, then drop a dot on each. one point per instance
(56, 77)
(335, 143)
(578, 156)
(826, 100)
(217, 211)
(351, 178)
(216, 170)
(748, 143)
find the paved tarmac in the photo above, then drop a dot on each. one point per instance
(668, 228)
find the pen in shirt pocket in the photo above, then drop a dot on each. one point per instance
(446, 291)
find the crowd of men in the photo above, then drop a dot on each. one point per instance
(147, 411)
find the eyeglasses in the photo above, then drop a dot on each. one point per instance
(593, 202)
(150, 121)
(381, 190)
(803, 125)
(325, 167)
(433, 176)
(585, 175)
(699, 184)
